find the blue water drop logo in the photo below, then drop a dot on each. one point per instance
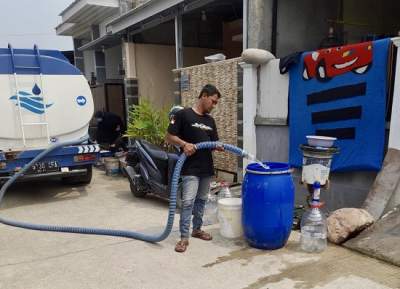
(31, 101)
(36, 90)
(81, 100)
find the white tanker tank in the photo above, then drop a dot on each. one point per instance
(44, 100)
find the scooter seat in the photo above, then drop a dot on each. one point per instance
(173, 157)
(154, 151)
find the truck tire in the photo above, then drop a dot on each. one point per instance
(80, 180)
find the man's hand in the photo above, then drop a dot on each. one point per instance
(219, 148)
(189, 149)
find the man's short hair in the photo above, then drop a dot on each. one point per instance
(99, 114)
(209, 90)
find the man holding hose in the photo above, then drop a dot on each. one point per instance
(188, 127)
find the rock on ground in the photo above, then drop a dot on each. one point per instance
(346, 222)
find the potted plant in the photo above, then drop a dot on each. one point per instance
(148, 123)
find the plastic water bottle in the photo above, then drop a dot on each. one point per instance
(224, 192)
(210, 211)
(313, 231)
(313, 226)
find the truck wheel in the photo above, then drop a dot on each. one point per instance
(138, 192)
(80, 180)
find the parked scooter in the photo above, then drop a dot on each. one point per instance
(149, 169)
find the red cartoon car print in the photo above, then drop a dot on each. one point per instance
(327, 63)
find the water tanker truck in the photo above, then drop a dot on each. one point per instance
(44, 100)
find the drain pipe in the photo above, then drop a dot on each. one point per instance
(111, 232)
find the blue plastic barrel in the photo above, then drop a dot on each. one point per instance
(267, 207)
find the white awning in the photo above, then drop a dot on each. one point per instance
(140, 14)
(86, 10)
(81, 14)
(101, 42)
(152, 8)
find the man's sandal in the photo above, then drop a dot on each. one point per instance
(181, 246)
(201, 235)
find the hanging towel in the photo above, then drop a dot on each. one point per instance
(341, 92)
(287, 61)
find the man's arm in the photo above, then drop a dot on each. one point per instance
(188, 148)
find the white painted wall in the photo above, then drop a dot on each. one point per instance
(249, 110)
(394, 133)
(128, 58)
(274, 90)
(89, 63)
(152, 65)
(265, 100)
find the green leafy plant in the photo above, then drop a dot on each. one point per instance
(148, 123)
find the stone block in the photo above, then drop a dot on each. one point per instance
(346, 223)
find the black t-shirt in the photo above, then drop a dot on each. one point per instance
(194, 128)
(107, 128)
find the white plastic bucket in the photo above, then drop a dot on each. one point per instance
(230, 217)
(111, 166)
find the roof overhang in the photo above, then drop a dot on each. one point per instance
(147, 11)
(81, 14)
(140, 14)
(65, 29)
(105, 41)
(84, 10)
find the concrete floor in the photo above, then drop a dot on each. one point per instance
(31, 259)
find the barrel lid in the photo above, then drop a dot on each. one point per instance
(274, 168)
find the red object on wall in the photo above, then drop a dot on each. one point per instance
(327, 63)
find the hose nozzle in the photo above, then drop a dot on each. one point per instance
(248, 156)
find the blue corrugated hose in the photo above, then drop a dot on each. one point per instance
(111, 232)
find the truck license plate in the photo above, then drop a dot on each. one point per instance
(44, 167)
